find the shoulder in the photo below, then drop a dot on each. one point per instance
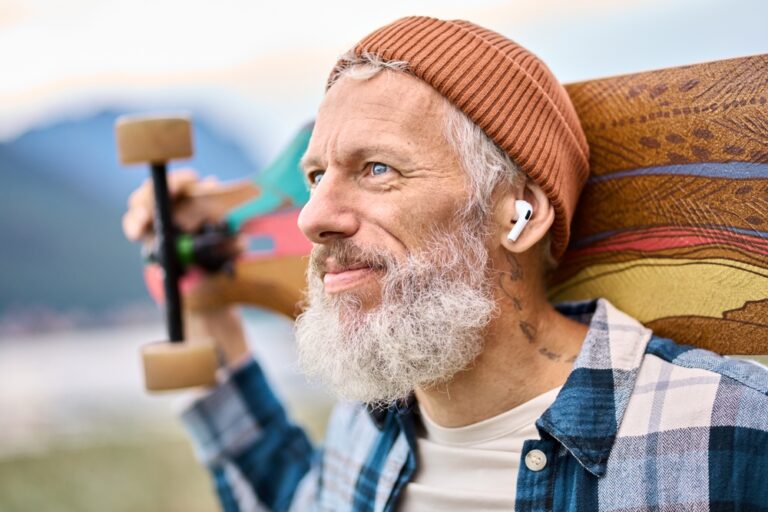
(695, 431)
(739, 387)
(681, 387)
(747, 373)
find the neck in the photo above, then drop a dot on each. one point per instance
(529, 349)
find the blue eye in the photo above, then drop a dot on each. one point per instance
(377, 168)
(315, 177)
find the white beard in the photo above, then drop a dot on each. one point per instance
(427, 327)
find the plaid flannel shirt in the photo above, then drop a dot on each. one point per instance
(640, 424)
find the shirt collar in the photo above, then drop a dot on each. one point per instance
(587, 412)
(379, 412)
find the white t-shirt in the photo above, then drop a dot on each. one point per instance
(473, 467)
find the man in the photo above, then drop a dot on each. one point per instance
(445, 166)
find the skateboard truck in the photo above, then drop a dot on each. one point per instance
(212, 248)
(176, 363)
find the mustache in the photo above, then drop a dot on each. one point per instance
(346, 253)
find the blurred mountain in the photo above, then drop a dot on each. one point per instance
(62, 194)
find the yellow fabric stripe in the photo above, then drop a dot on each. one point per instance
(654, 288)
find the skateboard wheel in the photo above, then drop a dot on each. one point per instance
(146, 139)
(178, 365)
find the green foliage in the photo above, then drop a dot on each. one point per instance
(159, 474)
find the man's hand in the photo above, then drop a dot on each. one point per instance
(190, 211)
(187, 215)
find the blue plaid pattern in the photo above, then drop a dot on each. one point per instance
(641, 424)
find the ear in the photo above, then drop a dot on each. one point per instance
(538, 225)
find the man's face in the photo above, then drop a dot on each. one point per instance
(381, 172)
(398, 285)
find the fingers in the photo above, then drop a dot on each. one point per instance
(181, 182)
(189, 216)
(137, 220)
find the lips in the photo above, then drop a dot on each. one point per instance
(339, 278)
(332, 267)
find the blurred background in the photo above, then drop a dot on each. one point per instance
(77, 431)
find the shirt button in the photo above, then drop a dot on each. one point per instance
(535, 460)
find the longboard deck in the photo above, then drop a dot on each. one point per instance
(672, 226)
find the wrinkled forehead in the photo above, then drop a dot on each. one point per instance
(389, 105)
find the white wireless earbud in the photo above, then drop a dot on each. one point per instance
(524, 212)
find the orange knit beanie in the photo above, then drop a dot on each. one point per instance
(507, 91)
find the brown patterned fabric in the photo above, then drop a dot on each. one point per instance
(507, 91)
(672, 226)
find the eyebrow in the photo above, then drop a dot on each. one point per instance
(388, 153)
(308, 162)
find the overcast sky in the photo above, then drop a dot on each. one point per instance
(259, 67)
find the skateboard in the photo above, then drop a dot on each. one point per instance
(671, 227)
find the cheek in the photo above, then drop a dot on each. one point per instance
(386, 224)
(410, 220)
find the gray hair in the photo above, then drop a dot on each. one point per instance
(486, 164)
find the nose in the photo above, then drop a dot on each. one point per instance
(329, 214)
